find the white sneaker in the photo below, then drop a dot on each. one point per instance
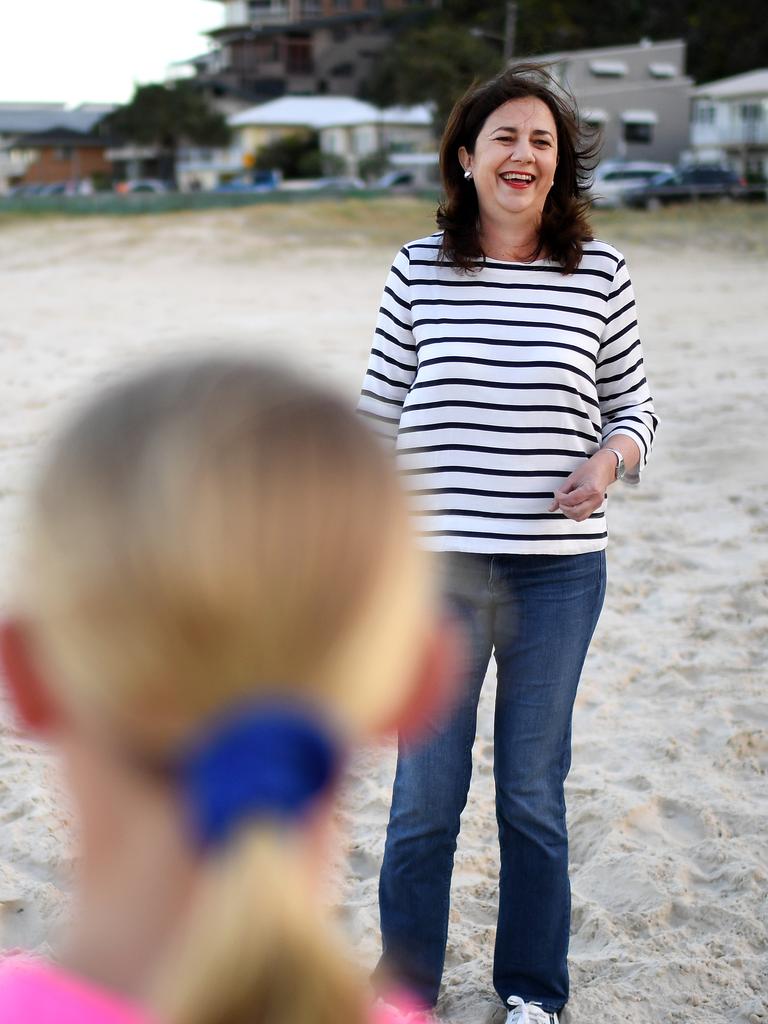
(521, 1012)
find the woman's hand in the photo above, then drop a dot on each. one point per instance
(585, 488)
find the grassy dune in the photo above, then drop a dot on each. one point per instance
(387, 222)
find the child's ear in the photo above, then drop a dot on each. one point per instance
(30, 696)
(438, 676)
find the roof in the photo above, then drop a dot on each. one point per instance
(327, 112)
(423, 114)
(58, 136)
(28, 118)
(644, 45)
(749, 83)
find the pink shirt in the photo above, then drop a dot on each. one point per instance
(35, 992)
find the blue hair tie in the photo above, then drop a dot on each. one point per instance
(267, 760)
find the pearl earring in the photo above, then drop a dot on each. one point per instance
(468, 174)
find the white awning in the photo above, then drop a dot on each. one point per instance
(640, 117)
(595, 116)
(608, 68)
(661, 70)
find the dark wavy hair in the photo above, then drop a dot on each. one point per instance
(564, 221)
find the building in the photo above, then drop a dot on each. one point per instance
(638, 96)
(270, 48)
(21, 124)
(60, 155)
(729, 123)
(349, 130)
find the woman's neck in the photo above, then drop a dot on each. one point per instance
(509, 241)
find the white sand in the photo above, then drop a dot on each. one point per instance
(668, 800)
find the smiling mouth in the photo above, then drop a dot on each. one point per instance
(518, 179)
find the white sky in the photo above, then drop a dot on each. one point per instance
(79, 51)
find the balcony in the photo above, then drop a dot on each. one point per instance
(744, 133)
(269, 13)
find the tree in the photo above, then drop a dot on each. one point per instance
(434, 64)
(168, 116)
(298, 156)
(438, 58)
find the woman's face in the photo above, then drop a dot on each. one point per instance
(514, 160)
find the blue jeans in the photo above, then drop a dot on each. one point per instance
(537, 613)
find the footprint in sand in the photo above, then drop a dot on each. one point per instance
(363, 863)
(747, 749)
(670, 820)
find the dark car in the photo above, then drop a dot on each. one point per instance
(684, 185)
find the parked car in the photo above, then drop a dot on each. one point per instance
(339, 183)
(58, 188)
(125, 188)
(613, 178)
(396, 181)
(686, 184)
(25, 191)
(332, 184)
(258, 181)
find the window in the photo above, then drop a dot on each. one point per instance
(266, 50)
(751, 112)
(401, 146)
(298, 57)
(63, 153)
(705, 113)
(636, 132)
(639, 125)
(756, 169)
(26, 156)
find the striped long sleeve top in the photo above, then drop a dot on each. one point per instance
(497, 384)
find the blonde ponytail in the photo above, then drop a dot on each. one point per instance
(211, 532)
(256, 948)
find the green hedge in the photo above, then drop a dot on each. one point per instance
(107, 204)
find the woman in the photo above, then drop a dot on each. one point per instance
(507, 363)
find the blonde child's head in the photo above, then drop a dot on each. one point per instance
(210, 535)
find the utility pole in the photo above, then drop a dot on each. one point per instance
(510, 27)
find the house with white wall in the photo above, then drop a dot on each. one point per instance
(349, 129)
(368, 130)
(729, 123)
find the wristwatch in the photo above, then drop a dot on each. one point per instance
(620, 468)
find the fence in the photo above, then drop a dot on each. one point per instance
(108, 204)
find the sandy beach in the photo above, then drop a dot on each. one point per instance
(668, 794)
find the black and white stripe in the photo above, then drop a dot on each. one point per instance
(497, 384)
